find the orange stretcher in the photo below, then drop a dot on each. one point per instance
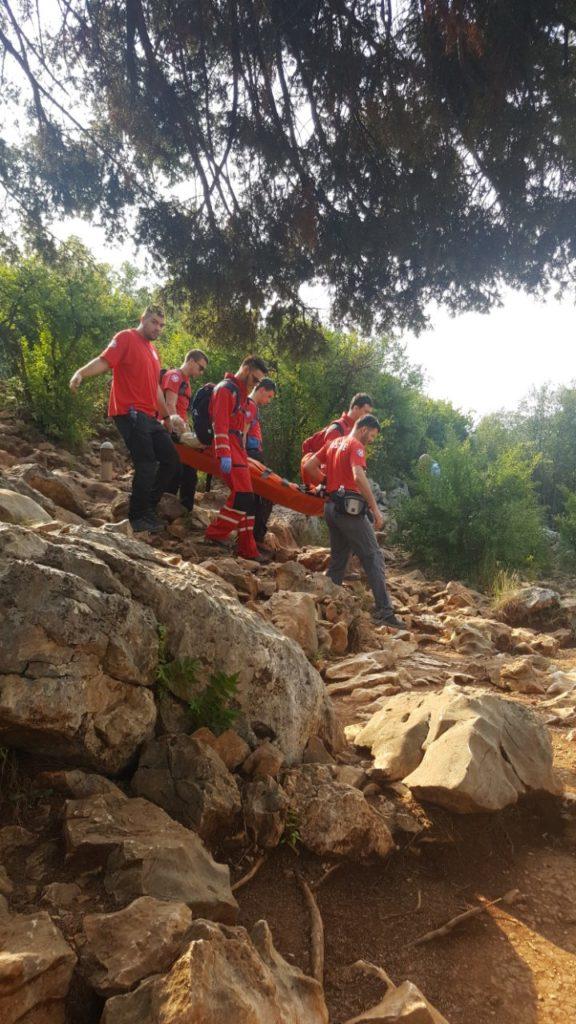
(265, 483)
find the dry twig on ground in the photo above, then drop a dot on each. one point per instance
(437, 933)
(316, 931)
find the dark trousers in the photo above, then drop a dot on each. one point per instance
(262, 507)
(184, 483)
(154, 458)
(356, 534)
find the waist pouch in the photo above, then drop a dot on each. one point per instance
(349, 504)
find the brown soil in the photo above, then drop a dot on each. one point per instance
(510, 964)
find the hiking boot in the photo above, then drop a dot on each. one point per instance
(156, 525)
(388, 619)
(141, 525)
(261, 558)
(214, 542)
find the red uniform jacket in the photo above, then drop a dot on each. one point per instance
(228, 415)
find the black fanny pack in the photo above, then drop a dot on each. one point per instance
(349, 503)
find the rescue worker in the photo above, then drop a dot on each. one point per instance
(228, 412)
(135, 400)
(352, 514)
(360, 405)
(261, 396)
(177, 392)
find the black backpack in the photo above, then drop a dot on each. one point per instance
(200, 409)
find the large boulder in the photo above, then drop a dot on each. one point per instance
(76, 655)
(333, 819)
(226, 976)
(465, 753)
(102, 583)
(531, 605)
(191, 782)
(119, 950)
(21, 509)
(36, 966)
(60, 487)
(146, 853)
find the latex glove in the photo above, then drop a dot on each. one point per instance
(226, 464)
(252, 444)
(177, 424)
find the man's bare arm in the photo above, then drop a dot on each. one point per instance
(92, 369)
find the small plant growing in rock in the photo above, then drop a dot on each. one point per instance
(211, 707)
(291, 835)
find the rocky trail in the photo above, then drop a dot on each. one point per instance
(374, 785)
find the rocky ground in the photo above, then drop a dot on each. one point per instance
(377, 784)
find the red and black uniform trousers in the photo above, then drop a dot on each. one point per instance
(239, 511)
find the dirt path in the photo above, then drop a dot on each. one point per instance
(508, 966)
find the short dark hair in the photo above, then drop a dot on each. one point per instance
(153, 310)
(255, 363)
(266, 384)
(360, 399)
(369, 421)
(195, 354)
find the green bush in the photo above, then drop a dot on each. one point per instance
(566, 524)
(478, 517)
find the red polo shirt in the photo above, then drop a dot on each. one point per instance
(178, 382)
(340, 457)
(135, 373)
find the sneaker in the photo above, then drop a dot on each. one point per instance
(388, 619)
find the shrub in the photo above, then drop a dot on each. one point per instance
(478, 517)
(566, 524)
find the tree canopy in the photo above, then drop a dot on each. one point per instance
(400, 152)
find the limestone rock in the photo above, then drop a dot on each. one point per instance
(334, 819)
(266, 761)
(191, 782)
(316, 753)
(291, 576)
(339, 637)
(402, 1005)
(467, 639)
(315, 559)
(265, 807)
(118, 950)
(237, 572)
(145, 853)
(20, 509)
(294, 614)
(231, 748)
(361, 664)
(107, 588)
(36, 966)
(78, 784)
(529, 605)
(61, 895)
(226, 975)
(525, 675)
(60, 487)
(466, 754)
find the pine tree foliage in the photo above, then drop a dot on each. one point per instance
(400, 150)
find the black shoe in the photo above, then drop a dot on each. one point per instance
(388, 619)
(155, 524)
(141, 525)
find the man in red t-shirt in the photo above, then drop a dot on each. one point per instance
(350, 523)
(228, 406)
(177, 392)
(261, 396)
(360, 405)
(135, 401)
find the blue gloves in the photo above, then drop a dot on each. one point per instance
(252, 444)
(226, 464)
